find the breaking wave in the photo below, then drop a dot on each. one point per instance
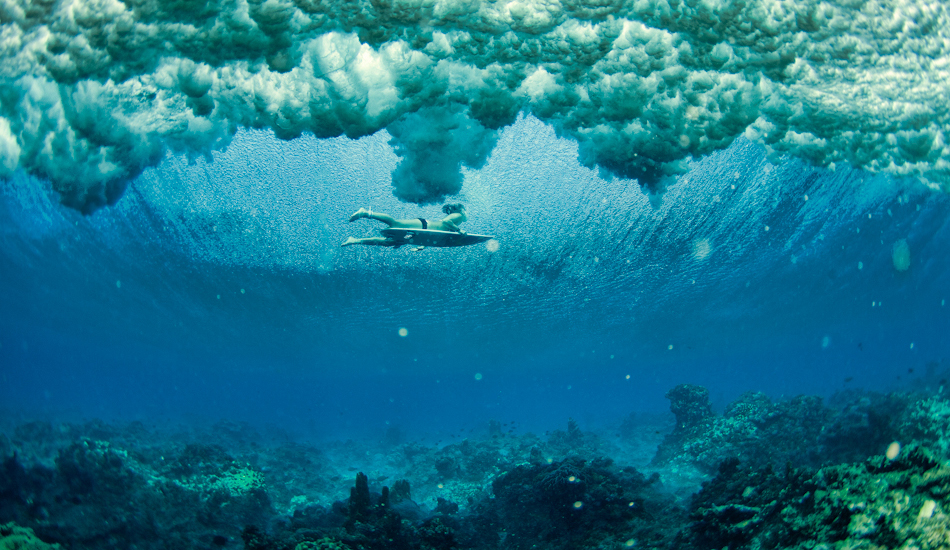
(94, 91)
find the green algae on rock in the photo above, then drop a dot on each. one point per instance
(14, 537)
(872, 505)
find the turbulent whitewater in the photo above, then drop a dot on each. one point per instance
(94, 91)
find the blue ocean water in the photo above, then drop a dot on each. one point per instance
(711, 311)
(215, 288)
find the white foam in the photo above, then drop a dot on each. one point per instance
(95, 90)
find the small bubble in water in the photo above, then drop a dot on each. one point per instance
(893, 450)
(403, 332)
(578, 505)
(118, 284)
(492, 245)
(478, 376)
(670, 346)
(860, 265)
(242, 291)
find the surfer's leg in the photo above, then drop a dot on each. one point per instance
(364, 213)
(369, 241)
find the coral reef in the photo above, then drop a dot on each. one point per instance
(804, 431)
(879, 503)
(860, 471)
(580, 504)
(14, 537)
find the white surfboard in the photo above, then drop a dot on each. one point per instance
(431, 237)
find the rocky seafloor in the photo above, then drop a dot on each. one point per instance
(857, 471)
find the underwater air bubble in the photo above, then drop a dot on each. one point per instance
(403, 332)
(901, 255)
(491, 245)
(478, 376)
(118, 284)
(578, 505)
(893, 450)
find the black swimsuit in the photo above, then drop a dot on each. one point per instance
(425, 224)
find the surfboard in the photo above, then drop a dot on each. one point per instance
(431, 237)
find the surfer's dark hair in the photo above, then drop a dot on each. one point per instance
(452, 208)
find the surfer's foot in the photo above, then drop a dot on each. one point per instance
(350, 240)
(361, 213)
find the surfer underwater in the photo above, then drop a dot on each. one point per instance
(455, 214)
